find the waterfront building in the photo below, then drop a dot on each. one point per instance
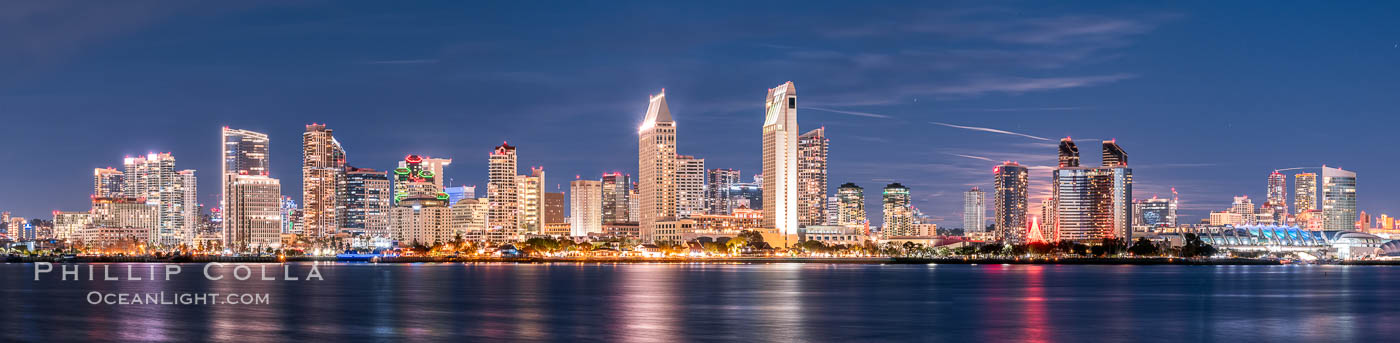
(851, 210)
(531, 200)
(690, 186)
(811, 177)
(585, 207)
(322, 175)
(422, 220)
(718, 184)
(554, 208)
(416, 177)
(244, 153)
(502, 190)
(365, 202)
(974, 210)
(1304, 192)
(1010, 202)
(67, 225)
(108, 182)
(898, 211)
(780, 159)
(253, 217)
(154, 178)
(657, 167)
(1277, 196)
(1091, 204)
(1156, 212)
(1338, 199)
(617, 197)
(469, 214)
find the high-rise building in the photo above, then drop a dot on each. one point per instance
(365, 202)
(107, 182)
(718, 183)
(1277, 195)
(469, 214)
(1156, 212)
(154, 178)
(1010, 201)
(422, 220)
(291, 216)
(780, 159)
(1047, 218)
(244, 153)
(1113, 155)
(252, 216)
(898, 212)
(1243, 207)
(502, 191)
(974, 210)
(1304, 192)
(634, 204)
(852, 205)
(748, 194)
(1092, 203)
(811, 177)
(124, 212)
(1069, 153)
(690, 186)
(531, 200)
(67, 225)
(656, 167)
(1338, 199)
(189, 205)
(585, 207)
(833, 211)
(322, 174)
(554, 208)
(418, 177)
(617, 197)
(457, 193)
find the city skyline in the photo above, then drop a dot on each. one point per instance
(976, 123)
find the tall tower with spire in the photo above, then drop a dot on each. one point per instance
(656, 167)
(780, 159)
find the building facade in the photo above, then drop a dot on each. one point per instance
(898, 212)
(617, 197)
(502, 191)
(1304, 192)
(253, 219)
(811, 177)
(322, 175)
(585, 207)
(531, 200)
(851, 211)
(718, 183)
(656, 167)
(780, 159)
(1338, 199)
(690, 186)
(108, 182)
(974, 210)
(365, 202)
(422, 220)
(1010, 202)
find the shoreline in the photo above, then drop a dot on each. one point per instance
(689, 260)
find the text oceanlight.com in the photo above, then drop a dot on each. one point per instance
(163, 298)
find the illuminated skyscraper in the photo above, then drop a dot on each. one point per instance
(244, 153)
(718, 185)
(457, 193)
(531, 197)
(1047, 218)
(811, 177)
(554, 208)
(690, 186)
(502, 191)
(780, 159)
(1112, 188)
(1338, 199)
(1157, 212)
(365, 204)
(107, 182)
(656, 165)
(422, 220)
(189, 205)
(1277, 195)
(154, 178)
(1304, 192)
(585, 207)
(252, 217)
(898, 212)
(1010, 201)
(1069, 153)
(974, 210)
(419, 176)
(322, 173)
(617, 197)
(852, 205)
(1113, 155)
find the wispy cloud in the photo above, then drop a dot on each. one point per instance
(987, 129)
(1022, 109)
(980, 86)
(974, 157)
(854, 113)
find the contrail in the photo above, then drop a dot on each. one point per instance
(862, 114)
(974, 157)
(984, 129)
(1294, 168)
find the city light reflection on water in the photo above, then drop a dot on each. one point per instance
(729, 302)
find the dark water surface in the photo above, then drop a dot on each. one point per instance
(708, 302)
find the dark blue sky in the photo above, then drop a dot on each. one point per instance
(1208, 97)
